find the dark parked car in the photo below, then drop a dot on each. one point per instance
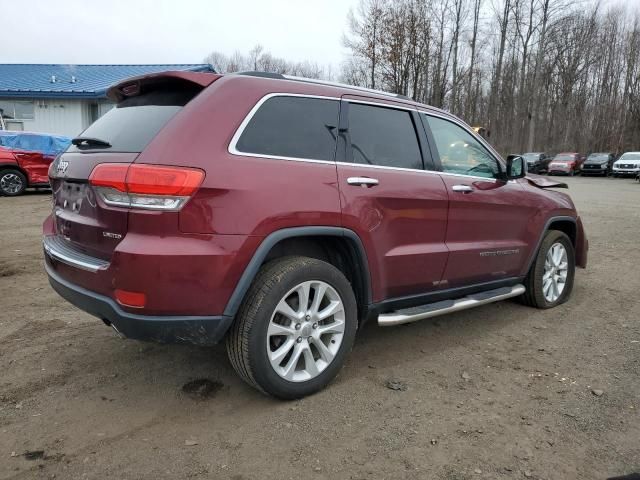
(598, 164)
(25, 158)
(280, 214)
(566, 164)
(537, 162)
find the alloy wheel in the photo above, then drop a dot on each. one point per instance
(556, 267)
(305, 331)
(10, 183)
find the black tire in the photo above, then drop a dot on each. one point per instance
(247, 338)
(8, 179)
(534, 296)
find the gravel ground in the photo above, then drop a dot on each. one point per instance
(499, 392)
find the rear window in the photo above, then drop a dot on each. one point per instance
(132, 124)
(292, 127)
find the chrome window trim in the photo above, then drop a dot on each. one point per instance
(233, 150)
(380, 104)
(385, 167)
(432, 172)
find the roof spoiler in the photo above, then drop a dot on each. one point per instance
(133, 86)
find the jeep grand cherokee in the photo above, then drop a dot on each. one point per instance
(280, 214)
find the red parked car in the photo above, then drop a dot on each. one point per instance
(566, 164)
(25, 158)
(280, 214)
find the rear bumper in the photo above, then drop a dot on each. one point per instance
(197, 330)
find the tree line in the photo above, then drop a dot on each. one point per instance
(539, 75)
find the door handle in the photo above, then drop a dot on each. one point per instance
(362, 181)
(462, 188)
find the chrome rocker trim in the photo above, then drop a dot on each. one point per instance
(448, 306)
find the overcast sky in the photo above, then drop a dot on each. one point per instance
(166, 31)
(174, 31)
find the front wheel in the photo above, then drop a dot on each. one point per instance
(550, 279)
(12, 182)
(295, 327)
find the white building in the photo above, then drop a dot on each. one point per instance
(64, 99)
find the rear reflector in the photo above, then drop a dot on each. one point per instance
(131, 299)
(154, 187)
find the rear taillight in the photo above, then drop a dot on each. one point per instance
(152, 187)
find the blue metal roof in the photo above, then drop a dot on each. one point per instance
(74, 81)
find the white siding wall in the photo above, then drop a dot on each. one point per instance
(104, 107)
(62, 117)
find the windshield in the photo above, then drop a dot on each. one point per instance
(598, 156)
(630, 156)
(531, 156)
(564, 158)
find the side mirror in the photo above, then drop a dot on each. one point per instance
(515, 167)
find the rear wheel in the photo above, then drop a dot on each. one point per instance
(12, 182)
(550, 280)
(295, 327)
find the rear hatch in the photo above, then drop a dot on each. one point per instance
(144, 107)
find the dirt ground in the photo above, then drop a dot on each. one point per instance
(499, 392)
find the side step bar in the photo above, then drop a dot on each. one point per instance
(414, 314)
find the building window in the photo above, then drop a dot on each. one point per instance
(17, 109)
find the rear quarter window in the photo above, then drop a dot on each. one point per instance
(292, 127)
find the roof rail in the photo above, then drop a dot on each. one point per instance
(321, 82)
(344, 85)
(252, 73)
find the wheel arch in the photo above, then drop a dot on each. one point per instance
(339, 246)
(567, 226)
(564, 224)
(14, 166)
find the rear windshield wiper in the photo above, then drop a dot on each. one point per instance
(89, 142)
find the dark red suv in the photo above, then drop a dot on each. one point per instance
(280, 214)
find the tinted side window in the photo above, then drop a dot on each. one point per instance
(296, 127)
(383, 136)
(460, 152)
